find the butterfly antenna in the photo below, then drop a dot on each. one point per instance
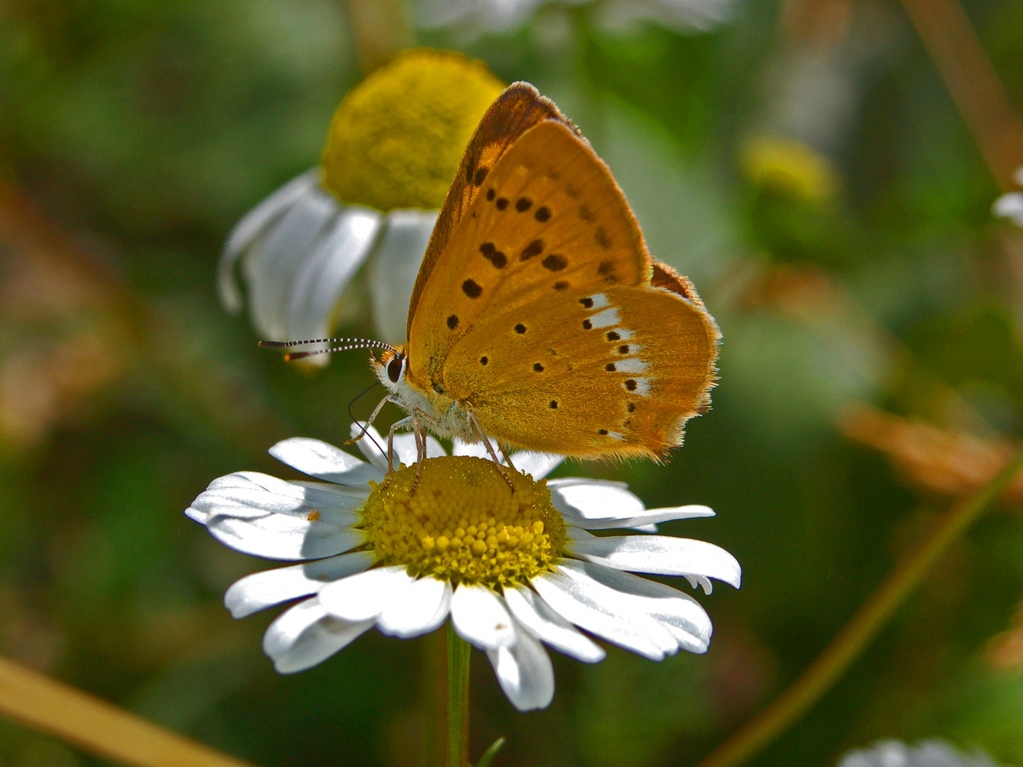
(346, 344)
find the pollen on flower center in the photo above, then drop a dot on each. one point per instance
(464, 524)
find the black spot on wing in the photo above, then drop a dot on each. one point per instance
(453, 321)
(554, 262)
(543, 214)
(493, 255)
(533, 249)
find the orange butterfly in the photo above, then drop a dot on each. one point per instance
(538, 317)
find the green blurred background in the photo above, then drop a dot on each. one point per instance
(805, 163)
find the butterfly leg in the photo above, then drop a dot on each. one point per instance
(369, 421)
(390, 440)
(417, 429)
(507, 458)
(490, 448)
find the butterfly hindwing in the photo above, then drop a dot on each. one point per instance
(617, 373)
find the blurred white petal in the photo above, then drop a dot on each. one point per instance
(395, 266)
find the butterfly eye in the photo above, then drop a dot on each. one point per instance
(394, 367)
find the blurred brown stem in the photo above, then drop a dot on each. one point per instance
(380, 28)
(847, 646)
(95, 726)
(972, 82)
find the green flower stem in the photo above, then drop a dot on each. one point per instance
(95, 726)
(458, 700)
(845, 648)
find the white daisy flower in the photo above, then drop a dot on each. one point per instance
(1010, 205)
(514, 570)
(393, 147)
(301, 246)
(502, 16)
(933, 753)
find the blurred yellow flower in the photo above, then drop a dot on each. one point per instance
(397, 139)
(789, 167)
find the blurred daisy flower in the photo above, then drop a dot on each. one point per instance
(934, 753)
(1010, 205)
(393, 147)
(513, 570)
(500, 16)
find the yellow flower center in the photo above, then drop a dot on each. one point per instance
(464, 524)
(791, 168)
(398, 137)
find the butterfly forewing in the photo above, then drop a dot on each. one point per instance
(516, 110)
(548, 221)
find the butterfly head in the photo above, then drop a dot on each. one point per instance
(390, 366)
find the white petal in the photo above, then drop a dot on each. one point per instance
(657, 554)
(533, 613)
(269, 517)
(395, 267)
(679, 613)
(250, 494)
(1010, 206)
(327, 269)
(284, 536)
(270, 587)
(372, 446)
(537, 465)
(405, 451)
(418, 609)
(600, 611)
(251, 225)
(364, 596)
(480, 617)
(471, 449)
(592, 502)
(306, 635)
(524, 672)
(602, 505)
(319, 459)
(275, 260)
